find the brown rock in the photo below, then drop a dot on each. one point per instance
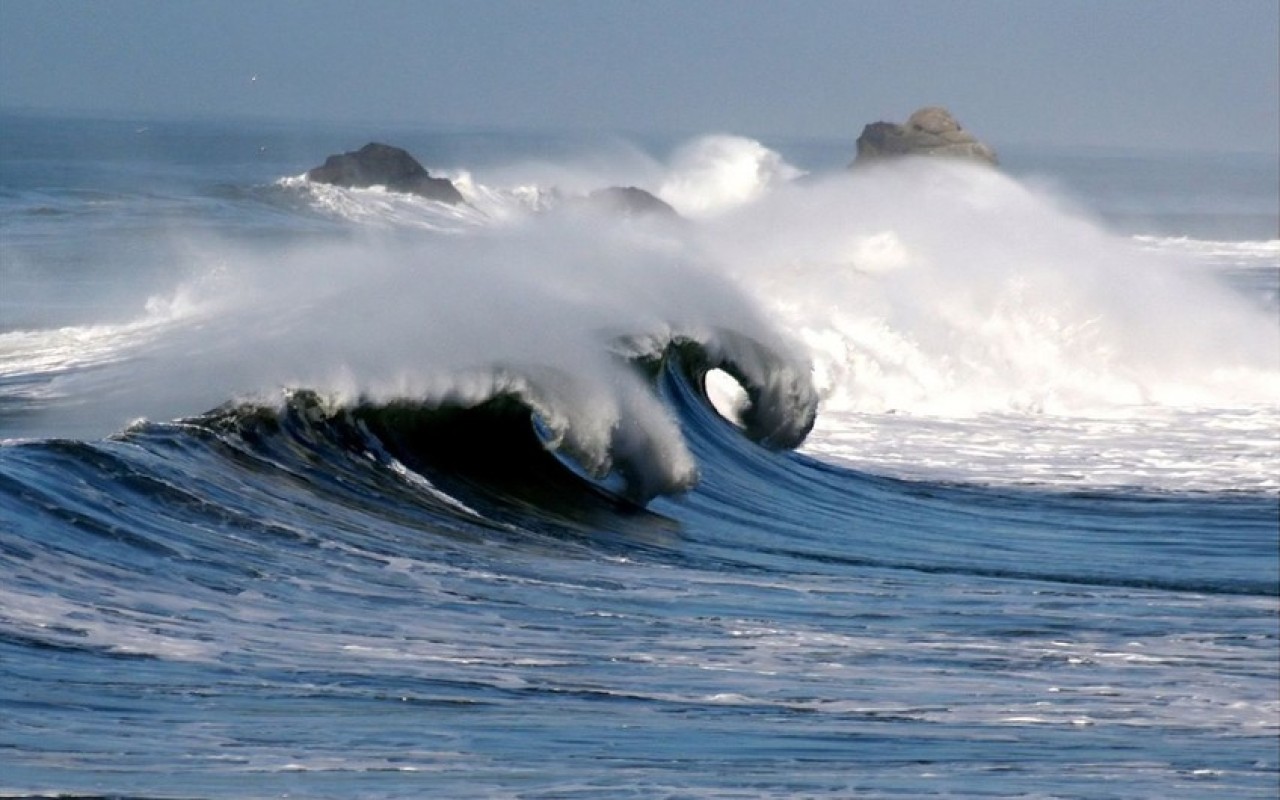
(930, 131)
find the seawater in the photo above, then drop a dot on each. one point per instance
(330, 493)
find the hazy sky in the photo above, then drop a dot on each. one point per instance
(1164, 73)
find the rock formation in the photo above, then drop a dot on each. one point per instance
(383, 165)
(630, 201)
(931, 131)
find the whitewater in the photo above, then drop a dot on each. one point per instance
(921, 479)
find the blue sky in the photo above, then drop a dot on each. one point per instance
(1165, 73)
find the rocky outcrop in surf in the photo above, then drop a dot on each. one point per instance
(383, 165)
(630, 201)
(931, 131)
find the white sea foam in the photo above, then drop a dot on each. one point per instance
(964, 325)
(704, 177)
(715, 173)
(946, 289)
(1150, 447)
(1264, 253)
(538, 308)
(958, 321)
(376, 207)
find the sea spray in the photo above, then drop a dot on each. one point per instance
(966, 325)
(925, 291)
(539, 307)
(315, 597)
(714, 173)
(948, 289)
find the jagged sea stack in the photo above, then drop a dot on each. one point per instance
(931, 131)
(383, 165)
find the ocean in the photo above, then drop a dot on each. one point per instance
(918, 480)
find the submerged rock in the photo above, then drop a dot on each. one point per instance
(383, 165)
(931, 131)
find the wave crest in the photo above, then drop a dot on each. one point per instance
(716, 173)
(500, 428)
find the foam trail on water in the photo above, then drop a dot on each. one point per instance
(1262, 253)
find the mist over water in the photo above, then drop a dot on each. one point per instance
(935, 290)
(945, 288)
(966, 325)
